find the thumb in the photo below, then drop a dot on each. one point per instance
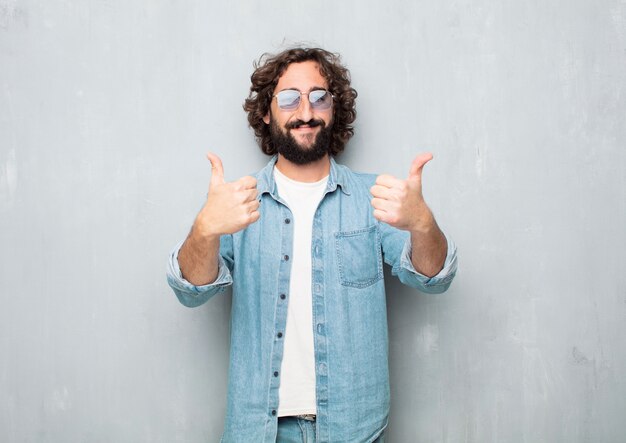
(217, 169)
(418, 164)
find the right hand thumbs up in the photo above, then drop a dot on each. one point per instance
(230, 207)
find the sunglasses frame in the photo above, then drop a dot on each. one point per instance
(314, 105)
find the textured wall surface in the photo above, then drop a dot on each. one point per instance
(107, 108)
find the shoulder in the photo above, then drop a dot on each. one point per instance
(355, 180)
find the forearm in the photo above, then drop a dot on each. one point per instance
(198, 257)
(429, 249)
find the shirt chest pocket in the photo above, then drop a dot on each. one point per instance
(359, 257)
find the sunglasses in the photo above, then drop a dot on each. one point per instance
(289, 99)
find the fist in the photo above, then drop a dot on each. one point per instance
(230, 207)
(400, 203)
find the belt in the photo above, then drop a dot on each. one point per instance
(308, 417)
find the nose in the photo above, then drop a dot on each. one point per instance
(304, 111)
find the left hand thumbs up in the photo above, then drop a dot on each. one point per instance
(400, 203)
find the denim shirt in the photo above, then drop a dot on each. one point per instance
(348, 248)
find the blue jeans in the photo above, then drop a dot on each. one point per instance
(298, 430)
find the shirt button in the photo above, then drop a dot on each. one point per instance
(286, 257)
(287, 221)
(273, 411)
(279, 335)
(320, 328)
(283, 296)
(275, 373)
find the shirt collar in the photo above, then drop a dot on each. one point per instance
(267, 184)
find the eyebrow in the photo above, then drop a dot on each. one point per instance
(313, 88)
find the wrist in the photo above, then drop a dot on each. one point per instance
(203, 232)
(425, 224)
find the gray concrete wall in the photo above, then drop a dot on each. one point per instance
(108, 106)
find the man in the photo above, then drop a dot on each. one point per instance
(303, 245)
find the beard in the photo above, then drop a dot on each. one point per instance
(288, 147)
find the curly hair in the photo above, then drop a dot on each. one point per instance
(269, 68)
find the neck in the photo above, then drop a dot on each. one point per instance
(309, 173)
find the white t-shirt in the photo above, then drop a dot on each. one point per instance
(296, 394)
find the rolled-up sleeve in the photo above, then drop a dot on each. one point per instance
(432, 285)
(191, 295)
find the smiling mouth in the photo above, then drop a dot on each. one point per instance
(299, 124)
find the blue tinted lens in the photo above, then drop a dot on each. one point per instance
(320, 99)
(288, 99)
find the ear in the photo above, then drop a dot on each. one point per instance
(266, 118)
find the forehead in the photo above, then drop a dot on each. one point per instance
(303, 76)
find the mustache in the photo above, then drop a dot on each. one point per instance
(311, 123)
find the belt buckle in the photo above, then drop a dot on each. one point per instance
(308, 417)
